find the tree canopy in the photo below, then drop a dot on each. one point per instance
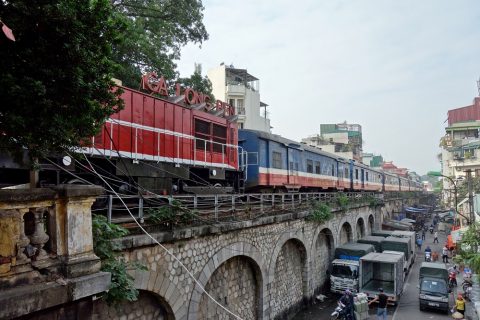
(198, 83)
(56, 77)
(157, 30)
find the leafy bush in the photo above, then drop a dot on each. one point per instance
(172, 213)
(121, 287)
(342, 201)
(320, 212)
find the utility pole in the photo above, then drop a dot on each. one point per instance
(470, 196)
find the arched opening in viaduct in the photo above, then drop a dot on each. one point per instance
(346, 233)
(148, 306)
(324, 250)
(236, 285)
(371, 222)
(360, 228)
(289, 283)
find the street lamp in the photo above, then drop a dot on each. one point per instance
(438, 174)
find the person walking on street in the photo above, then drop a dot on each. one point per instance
(435, 237)
(460, 304)
(423, 234)
(445, 254)
(382, 299)
(419, 244)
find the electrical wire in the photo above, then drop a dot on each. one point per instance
(169, 253)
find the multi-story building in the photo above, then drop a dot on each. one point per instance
(461, 145)
(374, 161)
(342, 139)
(242, 91)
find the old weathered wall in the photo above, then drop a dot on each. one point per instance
(264, 269)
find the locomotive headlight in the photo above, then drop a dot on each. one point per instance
(214, 172)
(67, 160)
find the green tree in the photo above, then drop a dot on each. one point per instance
(157, 30)
(198, 83)
(56, 87)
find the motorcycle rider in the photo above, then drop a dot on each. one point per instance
(428, 254)
(347, 301)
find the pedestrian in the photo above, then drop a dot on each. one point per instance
(435, 237)
(382, 299)
(445, 254)
(419, 244)
(460, 304)
(423, 234)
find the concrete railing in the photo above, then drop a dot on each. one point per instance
(45, 237)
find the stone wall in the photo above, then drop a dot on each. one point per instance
(260, 269)
(235, 285)
(147, 307)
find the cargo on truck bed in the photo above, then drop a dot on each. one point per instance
(382, 233)
(353, 251)
(375, 241)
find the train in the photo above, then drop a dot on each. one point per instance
(186, 143)
(276, 164)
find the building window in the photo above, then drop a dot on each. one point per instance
(276, 160)
(231, 102)
(317, 167)
(309, 166)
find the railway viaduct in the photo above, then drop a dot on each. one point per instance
(262, 268)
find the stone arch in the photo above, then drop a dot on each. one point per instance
(360, 229)
(346, 233)
(238, 249)
(148, 305)
(288, 275)
(371, 223)
(322, 254)
(166, 292)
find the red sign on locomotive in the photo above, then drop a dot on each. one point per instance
(151, 82)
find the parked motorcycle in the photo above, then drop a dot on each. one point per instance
(431, 229)
(340, 313)
(467, 287)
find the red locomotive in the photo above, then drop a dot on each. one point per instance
(164, 145)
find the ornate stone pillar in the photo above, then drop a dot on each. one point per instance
(39, 237)
(23, 240)
(74, 219)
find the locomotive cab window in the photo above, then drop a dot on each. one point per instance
(219, 137)
(276, 160)
(206, 132)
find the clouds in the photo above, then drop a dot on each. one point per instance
(395, 67)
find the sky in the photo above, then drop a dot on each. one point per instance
(394, 67)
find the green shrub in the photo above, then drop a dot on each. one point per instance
(320, 212)
(121, 287)
(342, 201)
(172, 213)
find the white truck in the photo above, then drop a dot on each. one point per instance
(345, 267)
(381, 270)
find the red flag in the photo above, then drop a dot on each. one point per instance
(8, 32)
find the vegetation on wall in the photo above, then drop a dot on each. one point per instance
(320, 212)
(121, 287)
(468, 249)
(342, 201)
(173, 213)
